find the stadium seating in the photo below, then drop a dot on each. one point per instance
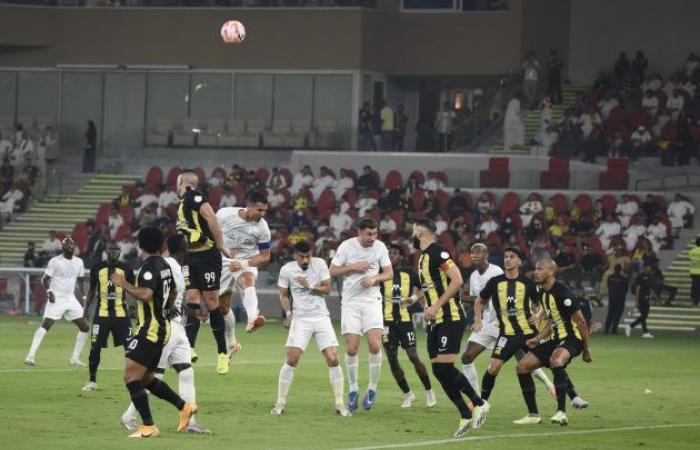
(557, 175)
(616, 176)
(497, 175)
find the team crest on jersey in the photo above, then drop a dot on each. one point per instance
(148, 276)
(445, 255)
(567, 302)
(198, 198)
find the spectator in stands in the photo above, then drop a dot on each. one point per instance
(662, 119)
(30, 172)
(236, 177)
(634, 231)
(147, 198)
(147, 216)
(622, 66)
(216, 179)
(300, 220)
(617, 285)
(47, 148)
(589, 121)
(557, 230)
(694, 272)
(375, 126)
(529, 209)
(678, 211)
(555, 66)
(608, 229)
(125, 198)
(129, 253)
(607, 104)
(5, 146)
(592, 267)
(387, 225)
(344, 183)
(675, 104)
(641, 253)
(639, 142)
(301, 201)
(567, 270)
(400, 125)
(488, 225)
(485, 205)
(251, 182)
(657, 234)
(535, 229)
(433, 183)
(90, 145)
(457, 204)
(115, 221)
(594, 146)
(513, 127)
(7, 174)
(691, 64)
(325, 180)
(366, 142)
(166, 198)
(650, 103)
(650, 208)
(658, 283)
(9, 203)
(367, 180)
(507, 229)
(365, 203)
(339, 222)
(496, 254)
(23, 149)
(538, 252)
(52, 245)
(31, 259)
(445, 126)
(229, 198)
(276, 180)
(639, 66)
(617, 146)
(531, 77)
(616, 256)
(440, 224)
(302, 179)
(626, 209)
(387, 117)
(425, 128)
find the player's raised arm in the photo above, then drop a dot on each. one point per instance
(215, 227)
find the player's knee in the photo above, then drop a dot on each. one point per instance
(84, 328)
(494, 369)
(467, 358)
(46, 324)
(413, 356)
(333, 361)
(224, 308)
(180, 367)
(292, 361)
(522, 368)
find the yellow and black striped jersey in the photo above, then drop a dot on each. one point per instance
(110, 298)
(560, 304)
(153, 323)
(433, 265)
(190, 223)
(512, 301)
(401, 286)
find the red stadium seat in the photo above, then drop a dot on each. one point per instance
(350, 197)
(446, 239)
(154, 177)
(262, 174)
(80, 236)
(200, 174)
(172, 177)
(214, 196)
(609, 203)
(442, 199)
(616, 177)
(326, 200)
(417, 199)
(127, 213)
(240, 193)
(585, 203)
(442, 176)
(123, 231)
(509, 204)
(418, 176)
(398, 218)
(287, 175)
(219, 172)
(557, 174)
(171, 211)
(497, 175)
(560, 203)
(324, 214)
(102, 216)
(352, 174)
(393, 180)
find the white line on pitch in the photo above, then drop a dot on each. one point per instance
(524, 435)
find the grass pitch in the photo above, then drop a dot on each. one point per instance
(643, 394)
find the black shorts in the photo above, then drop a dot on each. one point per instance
(202, 270)
(119, 327)
(445, 338)
(402, 333)
(144, 352)
(544, 351)
(507, 346)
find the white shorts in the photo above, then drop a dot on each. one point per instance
(229, 279)
(487, 337)
(302, 329)
(358, 317)
(64, 307)
(177, 350)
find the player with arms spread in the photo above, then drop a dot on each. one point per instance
(441, 280)
(247, 237)
(202, 268)
(60, 278)
(399, 293)
(358, 261)
(307, 280)
(567, 334)
(155, 292)
(111, 312)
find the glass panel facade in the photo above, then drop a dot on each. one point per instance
(293, 97)
(333, 102)
(211, 95)
(253, 99)
(37, 95)
(168, 97)
(124, 110)
(81, 100)
(8, 96)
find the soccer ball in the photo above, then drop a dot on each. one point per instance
(233, 32)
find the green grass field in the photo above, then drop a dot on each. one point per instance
(44, 408)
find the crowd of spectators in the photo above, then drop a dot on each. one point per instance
(586, 238)
(630, 111)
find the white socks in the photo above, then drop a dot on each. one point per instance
(337, 383)
(285, 382)
(38, 336)
(250, 303)
(230, 321)
(469, 371)
(79, 344)
(375, 366)
(186, 387)
(540, 375)
(351, 366)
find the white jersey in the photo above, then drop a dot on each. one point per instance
(64, 274)
(179, 279)
(351, 252)
(477, 282)
(304, 303)
(244, 237)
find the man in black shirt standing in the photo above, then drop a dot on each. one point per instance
(617, 291)
(643, 291)
(554, 69)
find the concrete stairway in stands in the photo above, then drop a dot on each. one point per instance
(676, 273)
(669, 319)
(532, 120)
(79, 197)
